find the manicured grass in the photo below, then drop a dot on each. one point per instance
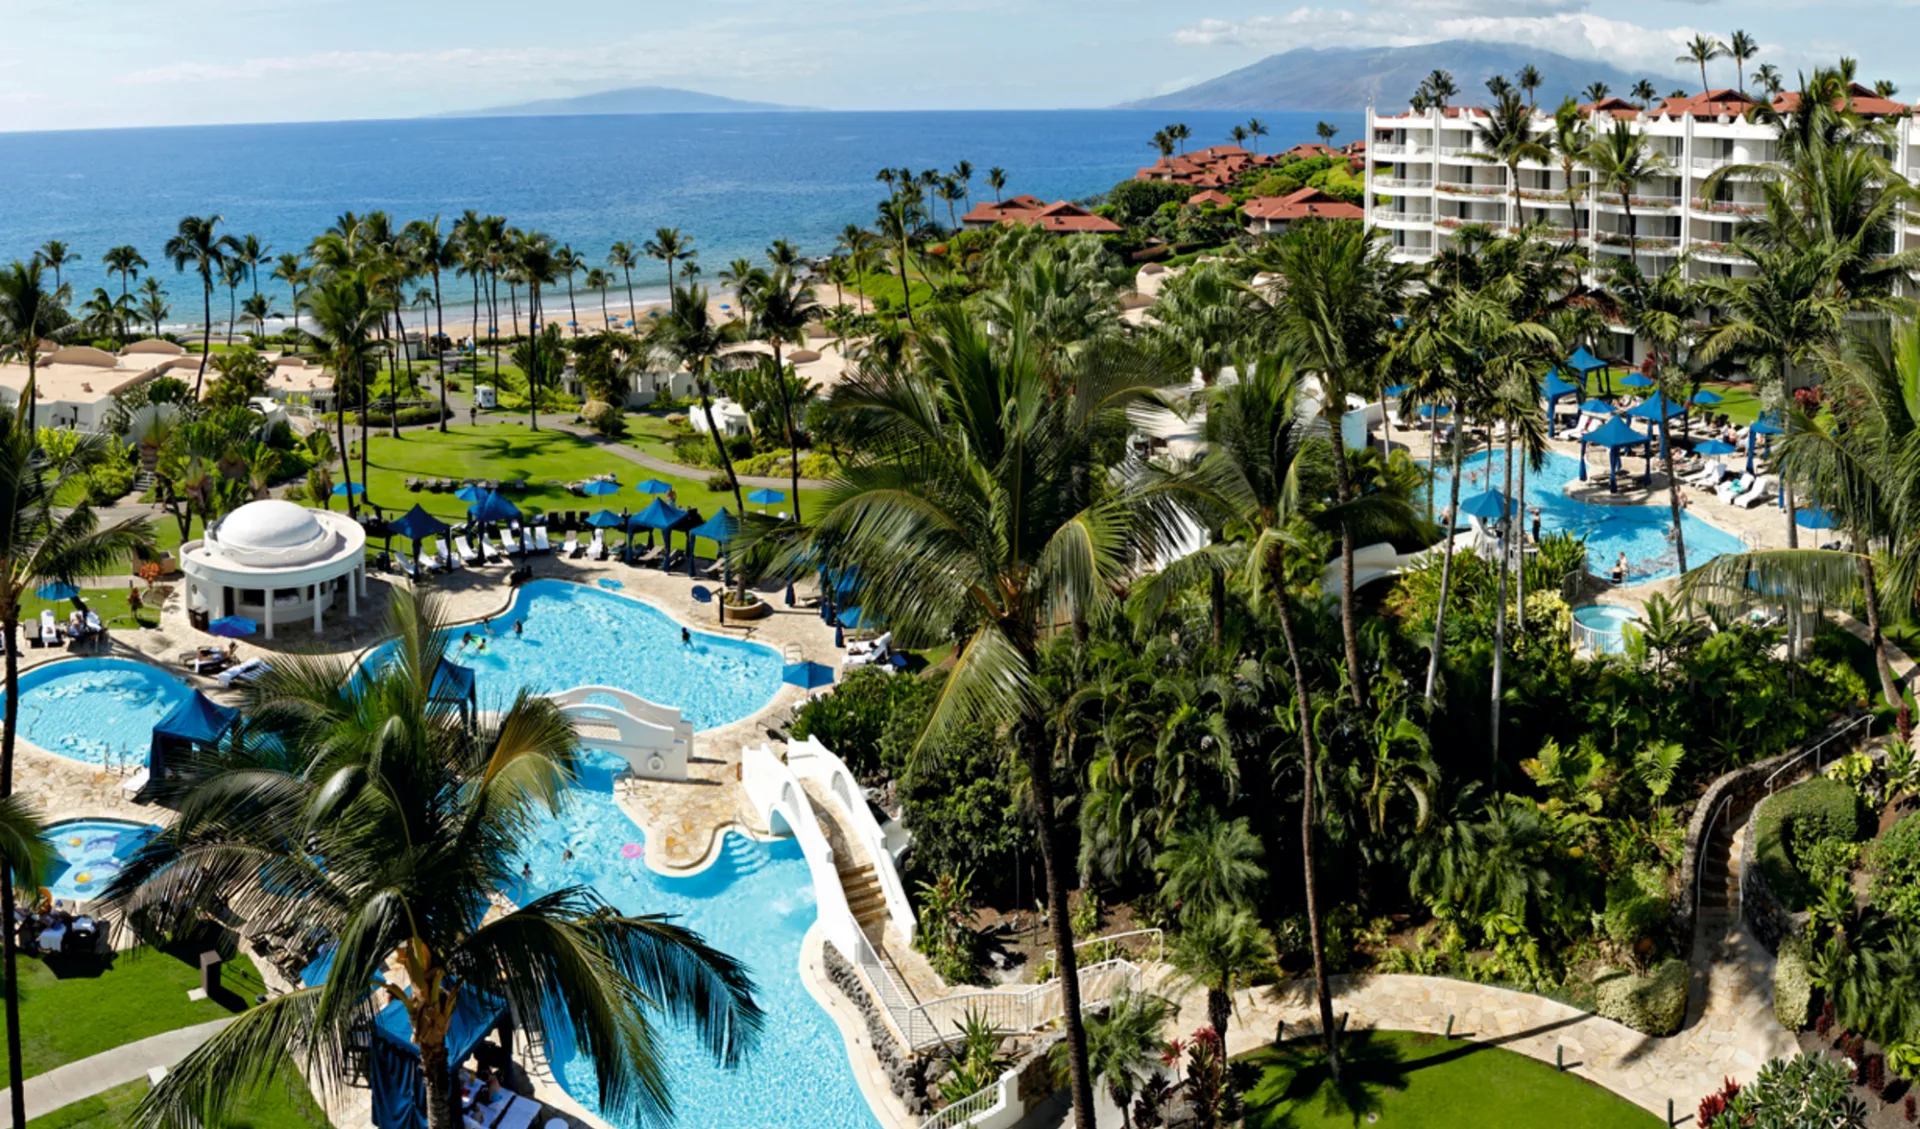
(284, 1103)
(1426, 1082)
(111, 603)
(74, 1007)
(1740, 402)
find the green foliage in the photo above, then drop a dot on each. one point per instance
(604, 418)
(946, 933)
(1085, 921)
(109, 480)
(1806, 1090)
(1790, 824)
(1636, 912)
(1277, 184)
(1792, 985)
(1894, 859)
(1135, 200)
(977, 1061)
(1654, 1004)
(854, 717)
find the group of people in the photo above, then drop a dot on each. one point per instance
(479, 642)
(43, 927)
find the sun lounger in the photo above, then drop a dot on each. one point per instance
(405, 564)
(49, 628)
(504, 545)
(597, 549)
(1731, 490)
(467, 555)
(526, 540)
(715, 570)
(869, 646)
(447, 561)
(540, 542)
(137, 783)
(94, 626)
(572, 546)
(1762, 490)
(244, 673)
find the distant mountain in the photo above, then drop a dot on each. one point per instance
(1344, 78)
(627, 100)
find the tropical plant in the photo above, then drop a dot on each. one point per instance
(1620, 159)
(1124, 1047)
(29, 315)
(125, 261)
(196, 244)
(1703, 49)
(1218, 953)
(1740, 47)
(780, 305)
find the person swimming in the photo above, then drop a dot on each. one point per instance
(686, 637)
(516, 626)
(466, 640)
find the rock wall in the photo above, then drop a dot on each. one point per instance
(906, 1076)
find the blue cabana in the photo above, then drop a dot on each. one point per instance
(454, 683)
(1636, 380)
(416, 525)
(393, 1061)
(808, 675)
(659, 515)
(197, 721)
(1705, 398)
(720, 529)
(1814, 517)
(1615, 435)
(492, 507)
(1765, 425)
(1434, 411)
(1553, 388)
(1653, 409)
(1596, 408)
(1584, 363)
(654, 486)
(606, 519)
(1491, 505)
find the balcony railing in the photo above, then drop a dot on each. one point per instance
(1640, 242)
(1387, 215)
(1401, 184)
(1730, 207)
(1398, 149)
(1469, 189)
(1615, 200)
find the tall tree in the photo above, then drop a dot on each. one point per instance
(693, 339)
(1529, 83)
(196, 244)
(346, 315)
(1256, 129)
(434, 252)
(996, 180)
(1620, 158)
(780, 305)
(1566, 142)
(623, 257)
(1508, 135)
(291, 269)
(1702, 49)
(1740, 48)
(125, 261)
(667, 245)
(29, 315)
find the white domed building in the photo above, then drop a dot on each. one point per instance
(275, 562)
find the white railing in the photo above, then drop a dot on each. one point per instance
(1152, 941)
(996, 1105)
(1395, 149)
(810, 760)
(1011, 1013)
(1393, 183)
(654, 740)
(1598, 640)
(1386, 215)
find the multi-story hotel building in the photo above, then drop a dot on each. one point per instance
(1427, 177)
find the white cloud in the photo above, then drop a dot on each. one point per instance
(1581, 35)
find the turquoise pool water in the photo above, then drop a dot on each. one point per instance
(97, 710)
(91, 852)
(754, 903)
(1638, 531)
(1606, 621)
(574, 635)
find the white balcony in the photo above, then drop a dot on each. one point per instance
(1411, 218)
(1730, 210)
(1480, 191)
(1645, 244)
(1395, 149)
(1401, 184)
(1642, 205)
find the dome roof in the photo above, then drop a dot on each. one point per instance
(272, 532)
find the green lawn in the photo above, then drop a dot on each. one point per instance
(1739, 401)
(284, 1103)
(1419, 1081)
(73, 1007)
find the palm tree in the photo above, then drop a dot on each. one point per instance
(420, 811)
(1703, 49)
(854, 240)
(781, 304)
(39, 544)
(1661, 311)
(1237, 135)
(996, 180)
(258, 308)
(233, 272)
(1620, 159)
(1567, 141)
(667, 244)
(125, 261)
(1124, 1048)
(899, 217)
(1180, 133)
(434, 253)
(1740, 48)
(1530, 82)
(55, 254)
(963, 172)
(623, 257)
(195, 244)
(292, 270)
(985, 512)
(346, 315)
(1215, 863)
(691, 337)
(29, 315)
(1326, 132)
(1596, 92)
(539, 266)
(1163, 142)
(1218, 953)
(566, 263)
(1499, 87)
(1767, 77)
(1440, 88)
(153, 303)
(251, 254)
(1335, 301)
(1644, 93)
(1256, 129)
(1508, 134)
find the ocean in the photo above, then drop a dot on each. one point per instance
(733, 182)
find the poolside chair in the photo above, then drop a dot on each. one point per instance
(540, 542)
(49, 628)
(413, 484)
(526, 539)
(1731, 490)
(597, 549)
(572, 548)
(405, 563)
(244, 673)
(467, 555)
(503, 545)
(1762, 490)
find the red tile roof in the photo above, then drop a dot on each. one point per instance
(1217, 199)
(1059, 216)
(1300, 205)
(1862, 100)
(1617, 107)
(1724, 102)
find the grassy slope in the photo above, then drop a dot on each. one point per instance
(72, 1010)
(1427, 1082)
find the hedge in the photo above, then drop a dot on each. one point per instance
(378, 417)
(1895, 862)
(1792, 985)
(1654, 1004)
(1789, 822)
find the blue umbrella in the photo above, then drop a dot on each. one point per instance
(492, 507)
(808, 675)
(654, 486)
(1814, 517)
(1431, 411)
(470, 494)
(1614, 434)
(600, 488)
(417, 523)
(56, 592)
(233, 626)
(1395, 390)
(1597, 408)
(1713, 447)
(856, 618)
(606, 519)
(1637, 380)
(1705, 398)
(341, 490)
(767, 497)
(1489, 506)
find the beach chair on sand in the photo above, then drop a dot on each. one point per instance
(467, 555)
(597, 549)
(572, 546)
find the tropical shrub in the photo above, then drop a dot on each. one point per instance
(1636, 910)
(1789, 826)
(1805, 1090)
(604, 418)
(1654, 1004)
(1792, 985)
(946, 933)
(1134, 200)
(854, 717)
(1894, 859)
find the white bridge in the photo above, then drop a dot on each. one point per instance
(654, 740)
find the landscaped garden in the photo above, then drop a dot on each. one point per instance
(75, 1006)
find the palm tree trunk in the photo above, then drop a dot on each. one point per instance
(1309, 855)
(438, 1082)
(1219, 1011)
(230, 315)
(793, 437)
(400, 357)
(16, 1067)
(346, 456)
(1519, 542)
(533, 356)
(1217, 600)
(1673, 495)
(1500, 627)
(1446, 559)
(1035, 750)
(1343, 489)
(206, 334)
(633, 311)
(1889, 688)
(573, 311)
(673, 295)
(440, 332)
(733, 480)
(906, 292)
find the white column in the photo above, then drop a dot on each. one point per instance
(269, 611)
(353, 594)
(314, 591)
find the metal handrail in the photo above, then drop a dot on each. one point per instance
(1819, 746)
(966, 1109)
(1159, 942)
(937, 1021)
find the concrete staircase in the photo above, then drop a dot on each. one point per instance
(1720, 873)
(864, 897)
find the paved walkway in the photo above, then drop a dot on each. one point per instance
(64, 1085)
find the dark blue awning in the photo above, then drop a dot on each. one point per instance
(197, 721)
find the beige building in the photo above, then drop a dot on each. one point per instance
(75, 384)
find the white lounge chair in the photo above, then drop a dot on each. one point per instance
(245, 672)
(871, 651)
(448, 562)
(540, 542)
(137, 783)
(49, 627)
(1761, 490)
(505, 545)
(94, 626)
(467, 555)
(572, 547)
(404, 562)
(1731, 490)
(597, 551)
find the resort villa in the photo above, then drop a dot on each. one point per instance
(299, 381)
(1272, 215)
(1059, 217)
(75, 384)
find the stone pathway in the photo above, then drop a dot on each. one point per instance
(64, 1085)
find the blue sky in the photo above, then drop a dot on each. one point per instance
(171, 62)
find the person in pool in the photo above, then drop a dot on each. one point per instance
(466, 640)
(516, 626)
(1620, 569)
(686, 637)
(527, 871)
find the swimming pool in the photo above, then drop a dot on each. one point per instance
(97, 710)
(90, 852)
(575, 635)
(754, 903)
(1601, 627)
(1638, 531)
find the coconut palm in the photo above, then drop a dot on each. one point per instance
(1237, 135)
(1661, 311)
(900, 216)
(996, 180)
(1202, 315)
(963, 172)
(1620, 159)
(39, 544)
(1336, 297)
(780, 305)
(153, 304)
(1767, 77)
(667, 245)
(125, 261)
(1703, 49)
(1256, 129)
(233, 272)
(1644, 93)
(292, 270)
(258, 308)
(1740, 48)
(1440, 88)
(982, 509)
(691, 337)
(195, 244)
(434, 252)
(1529, 81)
(1508, 134)
(623, 257)
(1326, 132)
(1124, 1047)
(540, 266)
(1596, 92)
(1218, 953)
(1212, 863)
(29, 314)
(419, 811)
(566, 263)
(1566, 142)
(346, 314)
